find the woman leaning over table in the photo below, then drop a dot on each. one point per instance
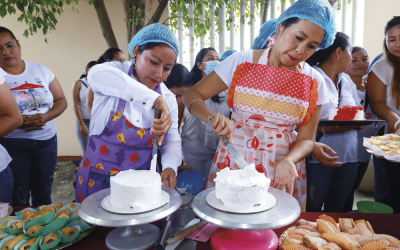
(384, 95)
(122, 124)
(33, 146)
(262, 126)
(329, 187)
(10, 119)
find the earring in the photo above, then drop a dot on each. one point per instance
(338, 57)
(134, 63)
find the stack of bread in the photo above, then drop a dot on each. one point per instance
(46, 227)
(386, 146)
(325, 234)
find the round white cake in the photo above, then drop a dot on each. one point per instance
(241, 188)
(136, 189)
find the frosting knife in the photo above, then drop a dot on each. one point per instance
(232, 150)
(153, 165)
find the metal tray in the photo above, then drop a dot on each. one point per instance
(285, 211)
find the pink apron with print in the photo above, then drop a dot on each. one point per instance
(121, 146)
(268, 102)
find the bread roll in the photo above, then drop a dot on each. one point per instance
(7, 219)
(62, 214)
(68, 231)
(11, 243)
(26, 214)
(59, 205)
(49, 208)
(33, 229)
(37, 215)
(49, 238)
(17, 225)
(3, 226)
(71, 206)
(28, 244)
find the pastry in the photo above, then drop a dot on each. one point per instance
(49, 208)
(392, 146)
(7, 219)
(40, 207)
(384, 148)
(71, 206)
(74, 212)
(33, 229)
(11, 243)
(394, 137)
(2, 233)
(382, 138)
(394, 153)
(37, 215)
(28, 244)
(2, 236)
(59, 205)
(3, 226)
(68, 231)
(62, 214)
(26, 214)
(17, 225)
(375, 142)
(49, 238)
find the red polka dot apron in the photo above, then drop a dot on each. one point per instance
(268, 102)
(121, 146)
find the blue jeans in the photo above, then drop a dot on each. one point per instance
(82, 140)
(329, 186)
(6, 185)
(33, 163)
(380, 179)
(198, 160)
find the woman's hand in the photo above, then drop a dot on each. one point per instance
(168, 178)
(184, 167)
(285, 174)
(223, 126)
(33, 122)
(320, 151)
(161, 126)
(84, 130)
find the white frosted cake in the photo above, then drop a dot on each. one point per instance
(347, 113)
(136, 189)
(241, 188)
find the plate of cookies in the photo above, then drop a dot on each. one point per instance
(48, 227)
(386, 146)
(326, 234)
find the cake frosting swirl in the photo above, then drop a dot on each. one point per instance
(241, 188)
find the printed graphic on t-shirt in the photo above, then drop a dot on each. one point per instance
(31, 97)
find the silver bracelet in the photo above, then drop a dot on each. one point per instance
(323, 131)
(191, 103)
(396, 124)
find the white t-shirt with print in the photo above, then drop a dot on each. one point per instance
(5, 158)
(227, 68)
(31, 92)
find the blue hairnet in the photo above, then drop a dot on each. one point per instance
(227, 53)
(266, 30)
(154, 33)
(319, 12)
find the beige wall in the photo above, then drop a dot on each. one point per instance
(76, 41)
(377, 14)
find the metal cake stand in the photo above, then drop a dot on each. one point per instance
(248, 231)
(285, 211)
(133, 232)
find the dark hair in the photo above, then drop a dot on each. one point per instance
(321, 56)
(148, 46)
(394, 61)
(290, 21)
(195, 73)
(179, 77)
(108, 55)
(5, 30)
(89, 65)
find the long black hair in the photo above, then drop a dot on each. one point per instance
(394, 61)
(321, 56)
(108, 55)
(195, 73)
(179, 77)
(89, 65)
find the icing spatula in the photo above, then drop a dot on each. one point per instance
(153, 165)
(232, 150)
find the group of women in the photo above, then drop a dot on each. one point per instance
(268, 100)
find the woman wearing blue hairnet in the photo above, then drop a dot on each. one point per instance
(271, 91)
(122, 124)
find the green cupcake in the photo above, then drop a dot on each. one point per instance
(32, 243)
(49, 241)
(54, 226)
(5, 220)
(34, 231)
(69, 234)
(25, 213)
(41, 218)
(15, 227)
